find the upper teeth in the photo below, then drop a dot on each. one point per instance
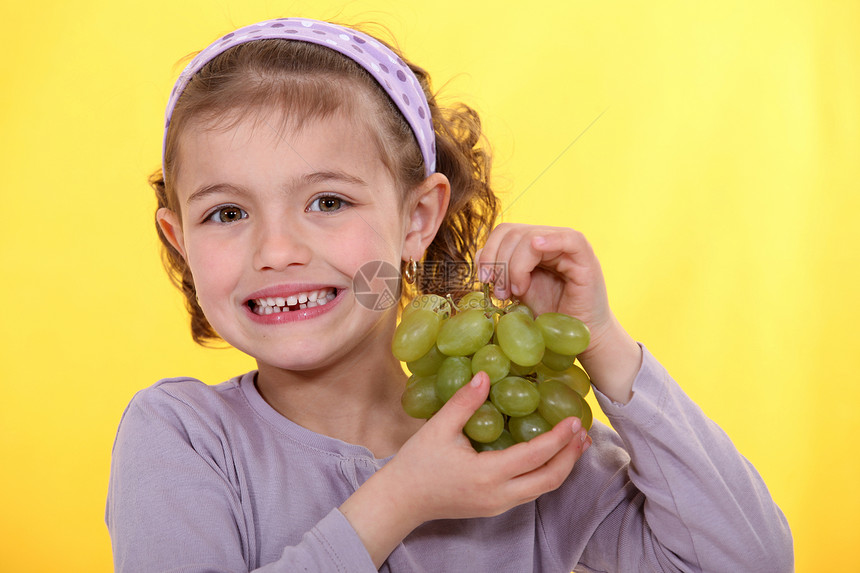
(309, 299)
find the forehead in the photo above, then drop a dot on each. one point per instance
(265, 146)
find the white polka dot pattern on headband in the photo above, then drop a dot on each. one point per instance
(387, 69)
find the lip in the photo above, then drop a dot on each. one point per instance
(293, 315)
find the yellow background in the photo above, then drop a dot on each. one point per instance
(718, 185)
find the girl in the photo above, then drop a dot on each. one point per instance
(295, 152)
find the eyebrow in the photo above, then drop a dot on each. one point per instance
(208, 190)
(307, 179)
(326, 176)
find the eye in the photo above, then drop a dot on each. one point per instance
(227, 214)
(327, 204)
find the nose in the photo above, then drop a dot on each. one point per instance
(280, 244)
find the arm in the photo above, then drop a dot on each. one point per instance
(175, 504)
(438, 475)
(172, 506)
(687, 498)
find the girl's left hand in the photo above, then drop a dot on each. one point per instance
(554, 269)
(550, 269)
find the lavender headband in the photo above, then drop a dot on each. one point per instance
(390, 71)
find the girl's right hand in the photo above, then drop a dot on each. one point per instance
(454, 481)
(438, 475)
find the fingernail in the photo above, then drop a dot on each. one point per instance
(539, 241)
(516, 290)
(576, 425)
(476, 379)
(582, 435)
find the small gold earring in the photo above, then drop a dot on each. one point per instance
(410, 271)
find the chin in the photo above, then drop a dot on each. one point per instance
(291, 365)
(297, 359)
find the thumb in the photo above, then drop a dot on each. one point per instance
(457, 411)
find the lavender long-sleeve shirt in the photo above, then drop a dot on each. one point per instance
(211, 478)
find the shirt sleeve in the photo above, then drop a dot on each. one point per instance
(674, 494)
(172, 507)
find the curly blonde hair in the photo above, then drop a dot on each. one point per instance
(307, 81)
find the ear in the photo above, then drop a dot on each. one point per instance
(171, 227)
(428, 207)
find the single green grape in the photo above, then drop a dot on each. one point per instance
(520, 339)
(452, 375)
(562, 333)
(491, 360)
(419, 399)
(485, 425)
(515, 396)
(555, 361)
(558, 401)
(587, 416)
(464, 333)
(427, 364)
(520, 307)
(522, 371)
(575, 377)
(474, 299)
(504, 441)
(524, 428)
(415, 335)
(434, 302)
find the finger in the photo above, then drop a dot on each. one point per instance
(504, 252)
(522, 458)
(488, 259)
(550, 475)
(568, 242)
(486, 270)
(587, 444)
(460, 407)
(523, 260)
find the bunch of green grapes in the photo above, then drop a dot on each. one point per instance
(530, 363)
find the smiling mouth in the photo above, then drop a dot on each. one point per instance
(298, 301)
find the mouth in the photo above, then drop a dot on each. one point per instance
(291, 303)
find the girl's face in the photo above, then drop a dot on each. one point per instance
(277, 215)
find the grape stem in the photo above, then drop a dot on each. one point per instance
(454, 308)
(486, 288)
(491, 307)
(501, 308)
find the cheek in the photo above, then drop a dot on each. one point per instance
(368, 239)
(386, 251)
(210, 266)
